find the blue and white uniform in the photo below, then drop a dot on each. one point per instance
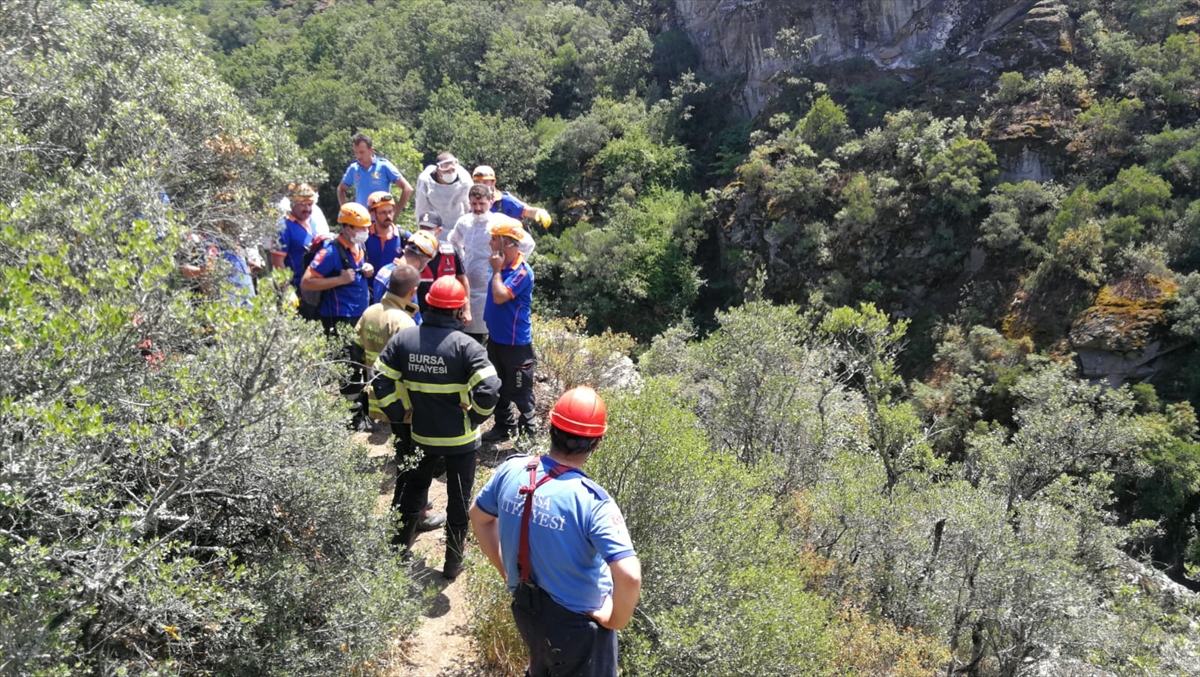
(366, 180)
(293, 240)
(347, 300)
(575, 532)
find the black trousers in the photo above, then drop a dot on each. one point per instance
(412, 486)
(514, 365)
(352, 386)
(561, 642)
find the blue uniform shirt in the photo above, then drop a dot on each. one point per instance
(382, 276)
(509, 323)
(381, 252)
(575, 532)
(509, 206)
(379, 176)
(294, 238)
(347, 300)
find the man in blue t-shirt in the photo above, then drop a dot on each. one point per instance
(510, 330)
(369, 173)
(340, 272)
(296, 232)
(386, 240)
(505, 203)
(574, 574)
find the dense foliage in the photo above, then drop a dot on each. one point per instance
(937, 325)
(176, 492)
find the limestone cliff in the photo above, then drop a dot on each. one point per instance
(732, 36)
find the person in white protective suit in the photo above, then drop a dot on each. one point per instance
(442, 189)
(471, 237)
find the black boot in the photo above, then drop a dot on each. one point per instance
(456, 543)
(431, 520)
(404, 539)
(499, 433)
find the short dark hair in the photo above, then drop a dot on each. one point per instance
(361, 138)
(434, 310)
(403, 281)
(480, 190)
(570, 444)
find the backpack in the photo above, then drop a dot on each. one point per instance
(310, 301)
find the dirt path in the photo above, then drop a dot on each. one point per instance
(442, 645)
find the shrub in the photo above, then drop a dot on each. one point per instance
(568, 357)
(176, 494)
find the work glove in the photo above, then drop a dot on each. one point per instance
(542, 217)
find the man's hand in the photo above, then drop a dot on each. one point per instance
(347, 276)
(368, 270)
(466, 314)
(603, 615)
(542, 217)
(497, 261)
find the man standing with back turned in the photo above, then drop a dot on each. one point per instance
(442, 378)
(569, 561)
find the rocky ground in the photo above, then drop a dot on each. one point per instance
(442, 645)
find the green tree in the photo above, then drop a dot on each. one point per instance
(514, 77)
(956, 175)
(1020, 217)
(160, 506)
(452, 123)
(825, 126)
(1140, 200)
(641, 256)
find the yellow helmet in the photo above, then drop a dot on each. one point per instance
(380, 198)
(423, 243)
(354, 214)
(507, 227)
(484, 173)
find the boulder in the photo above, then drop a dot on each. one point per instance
(1119, 339)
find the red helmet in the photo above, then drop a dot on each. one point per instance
(579, 411)
(446, 293)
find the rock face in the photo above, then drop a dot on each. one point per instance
(732, 36)
(1118, 339)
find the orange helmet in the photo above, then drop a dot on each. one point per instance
(579, 411)
(380, 198)
(507, 227)
(483, 173)
(447, 293)
(354, 214)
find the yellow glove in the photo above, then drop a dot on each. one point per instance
(542, 217)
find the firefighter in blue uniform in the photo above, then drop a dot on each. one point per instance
(566, 556)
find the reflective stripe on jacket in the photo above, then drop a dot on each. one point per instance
(432, 370)
(380, 322)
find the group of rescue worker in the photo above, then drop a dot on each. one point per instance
(443, 321)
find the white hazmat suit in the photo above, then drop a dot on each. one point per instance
(449, 200)
(470, 236)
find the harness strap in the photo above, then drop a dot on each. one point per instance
(524, 568)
